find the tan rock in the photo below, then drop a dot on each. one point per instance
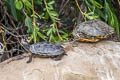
(84, 61)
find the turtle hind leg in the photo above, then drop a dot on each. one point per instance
(30, 58)
(57, 58)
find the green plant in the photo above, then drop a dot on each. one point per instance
(12, 10)
(47, 13)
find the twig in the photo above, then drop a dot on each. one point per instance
(63, 6)
(18, 34)
(2, 47)
(80, 10)
(13, 50)
(1, 26)
(3, 37)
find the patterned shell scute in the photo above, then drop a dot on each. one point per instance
(93, 28)
(47, 49)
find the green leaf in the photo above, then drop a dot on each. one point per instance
(50, 7)
(19, 5)
(65, 36)
(36, 29)
(28, 23)
(52, 2)
(34, 36)
(53, 19)
(54, 29)
(52, 38)
(116, 25)
(46, 15)
(91, 16)
(38, 2)
(49, 32)
(53, 13)
(113, 21)
(12, 8)
(88, 4)
(44, 9)
(62, 32)
(97, 4)
(42, 36)
(27, 3)
(56, 18)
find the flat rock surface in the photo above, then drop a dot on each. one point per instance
(84, 61)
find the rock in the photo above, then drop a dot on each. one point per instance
(84, 61)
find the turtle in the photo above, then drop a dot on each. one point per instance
(44, 49)
(92, 31)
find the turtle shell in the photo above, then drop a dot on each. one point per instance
(46, 49)
(92, 31)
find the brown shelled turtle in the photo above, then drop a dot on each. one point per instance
(92, 31)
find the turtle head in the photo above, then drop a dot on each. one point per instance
(78, 35)
(25, 43)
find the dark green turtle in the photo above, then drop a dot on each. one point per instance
(44, 49)
(92, 31)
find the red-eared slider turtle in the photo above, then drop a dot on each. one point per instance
(92, 31)
(44, 49)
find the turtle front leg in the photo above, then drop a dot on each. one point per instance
(30, 58)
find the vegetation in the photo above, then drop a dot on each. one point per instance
(46, 11)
